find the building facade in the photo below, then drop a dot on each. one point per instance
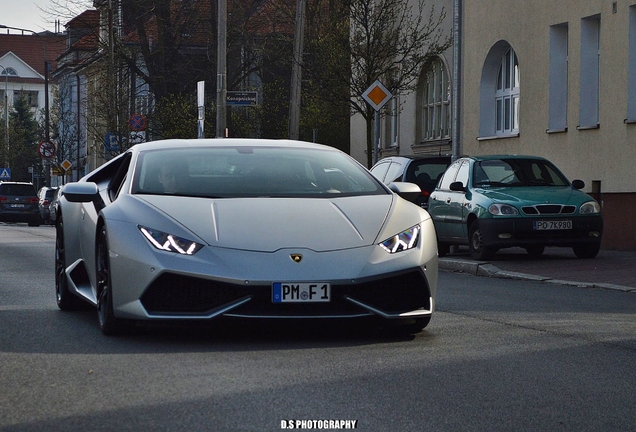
(552, 79)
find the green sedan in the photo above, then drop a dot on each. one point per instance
(494, 202)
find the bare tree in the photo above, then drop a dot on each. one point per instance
(389, 40)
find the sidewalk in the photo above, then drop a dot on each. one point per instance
(609, 270)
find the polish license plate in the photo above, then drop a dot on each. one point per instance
(17, 206)
(553, 225)
(293, 292)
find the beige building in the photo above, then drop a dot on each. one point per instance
(546, 78)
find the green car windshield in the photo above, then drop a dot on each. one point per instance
(517, 172)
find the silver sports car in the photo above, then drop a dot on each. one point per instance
(199, 229)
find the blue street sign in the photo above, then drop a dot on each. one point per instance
(5, 173)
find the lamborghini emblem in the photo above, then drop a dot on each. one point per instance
(296, 257)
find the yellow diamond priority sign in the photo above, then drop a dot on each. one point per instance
(66, 165)
(377, 95)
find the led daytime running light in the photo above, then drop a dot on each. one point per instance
(403, 241)
(169, 242)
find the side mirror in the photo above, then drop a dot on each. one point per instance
(578, 184)
(408, 191)
(457, 186)
(81, 192)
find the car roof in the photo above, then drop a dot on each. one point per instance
(503, 156)
(220, 142)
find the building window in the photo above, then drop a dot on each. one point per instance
(558, 87)
(31, 97)
(507, 95)
(499, 93)
(590, 76)
(8, 71)
(435, 103)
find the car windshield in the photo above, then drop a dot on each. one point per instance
(517, 172)
(225, 172)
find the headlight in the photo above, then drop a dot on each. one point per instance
(405, 240)
(590, 207)
(502, 210)
(170, 243)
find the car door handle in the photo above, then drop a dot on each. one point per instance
(448, 200)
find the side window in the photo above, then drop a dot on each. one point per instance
(462, 175)
(114, 187)
(380, 169)
(394, 173)
(449, 176)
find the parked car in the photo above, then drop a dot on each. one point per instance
(262, 229)
(495, 202)
(19, 203)
(45, 195)
(53, 207)
(424, 171)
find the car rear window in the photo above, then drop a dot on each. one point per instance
(17, 189)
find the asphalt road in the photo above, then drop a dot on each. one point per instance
(499, 355)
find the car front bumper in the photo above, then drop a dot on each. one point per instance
(509, 232)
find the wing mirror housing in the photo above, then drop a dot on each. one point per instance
(81, 192)
(457, 186)
(578, 184)
(408, 191)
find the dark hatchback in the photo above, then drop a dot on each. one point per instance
(19, 203)
(424, 171)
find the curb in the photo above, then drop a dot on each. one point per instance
(486, 269)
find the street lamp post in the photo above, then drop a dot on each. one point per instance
(47, 132)
(6, 114)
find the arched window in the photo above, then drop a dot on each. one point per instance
(8, 71)
(507, 95)
(435, 103)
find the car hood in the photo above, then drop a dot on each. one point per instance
(270, 224)
(530, 195)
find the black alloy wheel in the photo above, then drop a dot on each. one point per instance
(65, 300)
(109, 324)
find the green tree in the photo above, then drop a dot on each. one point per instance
(23, 140)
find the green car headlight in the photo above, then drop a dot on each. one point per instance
(170, 243)
(590, 207)
(502, 210)
(403, 241)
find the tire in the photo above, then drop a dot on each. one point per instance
(109, 324)
(535, 250)
(478, 251)
(66, 301)
(587, 251)
(442, 249)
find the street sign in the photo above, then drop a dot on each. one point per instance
(242, 98)
(137, 122)
(377, 95)
(66, 165)
(46, 149)
(111, 142)
(5, 173)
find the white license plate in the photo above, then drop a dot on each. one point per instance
(552, 225)
(293, 292)
(17, 206)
